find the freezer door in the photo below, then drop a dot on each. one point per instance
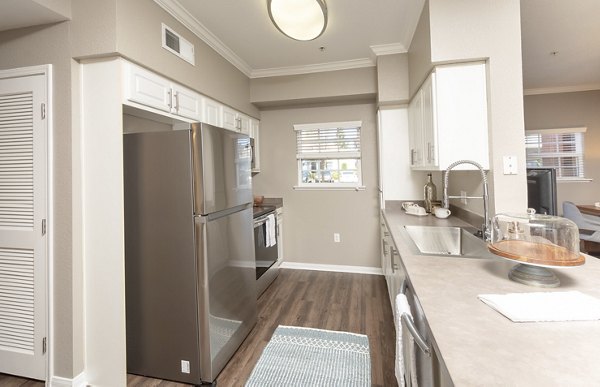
(160, 264)
(227, 286)
(222, 169)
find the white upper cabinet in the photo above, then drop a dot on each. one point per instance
(212, 112)
(255, 134)
(448, 118)
(234, 120)
(244, 124)
(230, 119)
(147, 88)
(149, 91)
(186, 103)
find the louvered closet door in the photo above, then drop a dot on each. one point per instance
(23, 196)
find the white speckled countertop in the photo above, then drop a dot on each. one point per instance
(481, 347)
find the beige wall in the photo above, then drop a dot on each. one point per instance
(419, 53)
(311, 217)
(94, 28)
(132, 28)
(392, 79)
(566, 110)
(37, 46)
(352, 84)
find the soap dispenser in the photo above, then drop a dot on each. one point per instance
(429, 193)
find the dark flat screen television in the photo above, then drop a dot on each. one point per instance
(541, 190)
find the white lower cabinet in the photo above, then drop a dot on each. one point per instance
(390, 264)
(431, 370)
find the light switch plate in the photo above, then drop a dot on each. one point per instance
(510, 165)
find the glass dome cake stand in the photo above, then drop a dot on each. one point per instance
(536, 242)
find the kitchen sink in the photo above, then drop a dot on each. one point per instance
(447, 241)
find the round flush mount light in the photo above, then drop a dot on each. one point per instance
(299, 19)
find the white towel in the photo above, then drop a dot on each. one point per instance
(544, 306)
(270, 235)
(404, 353)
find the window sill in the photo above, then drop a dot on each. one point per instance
(329, 188)
(577, 180)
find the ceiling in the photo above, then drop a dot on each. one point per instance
(245, 29)
(571, 29)
(26, 13)
(242, 32)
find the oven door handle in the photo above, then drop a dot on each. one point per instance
(260, 222)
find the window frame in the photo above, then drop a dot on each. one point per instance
(300, 185)
(578, 153)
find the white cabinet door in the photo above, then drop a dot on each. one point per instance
(429, 129)
(148, 89)
(212, 112)
(255, 134)
(244, 124)
(186, 103)
(448, 118)
(230, 119)
(415, 119)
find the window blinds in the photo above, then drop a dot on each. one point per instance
(328, 141)
(555, 149)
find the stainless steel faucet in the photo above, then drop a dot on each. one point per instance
(485, 228)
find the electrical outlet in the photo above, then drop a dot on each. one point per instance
(185, 367)
(463, 197)
(336, 237)
(510, 165)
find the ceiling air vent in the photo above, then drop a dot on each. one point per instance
(173, 42)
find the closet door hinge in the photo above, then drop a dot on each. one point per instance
(43, 111)
(43, 345)
(43, 227)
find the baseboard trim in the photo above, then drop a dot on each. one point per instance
(336, 268)
(77, 381)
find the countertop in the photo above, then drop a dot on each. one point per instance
(481, 347)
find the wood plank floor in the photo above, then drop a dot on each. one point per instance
(337, 301)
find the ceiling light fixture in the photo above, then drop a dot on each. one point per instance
(299, 19)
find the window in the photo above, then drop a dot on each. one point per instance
(557, 148)
(329, 155)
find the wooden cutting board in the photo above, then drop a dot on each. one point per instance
(536, 253)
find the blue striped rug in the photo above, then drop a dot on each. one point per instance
(313, 357)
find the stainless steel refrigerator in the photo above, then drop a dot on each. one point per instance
(189, 251)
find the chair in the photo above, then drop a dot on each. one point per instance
(589, 230)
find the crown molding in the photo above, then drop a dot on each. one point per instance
(562, 89)
(184, 17)
(313, 68)
(388, 49)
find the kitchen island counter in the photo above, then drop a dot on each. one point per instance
(481, 347)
